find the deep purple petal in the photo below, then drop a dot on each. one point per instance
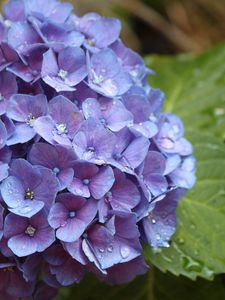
(102, 182)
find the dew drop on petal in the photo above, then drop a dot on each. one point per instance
(158, 237)
(110, 249)
(124, 251)
(25, 210)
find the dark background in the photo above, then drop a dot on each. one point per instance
(164, 26)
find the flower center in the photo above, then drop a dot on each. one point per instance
(91, 42)
(90, 149)
(30, 120)
(8, 23)
(30, 230)
(72, 214)
(62, 74)
(103, 121)
(97, 79)
(117, 156)
(61, 128)
(29, 195)
(56, 170)
(86, 181)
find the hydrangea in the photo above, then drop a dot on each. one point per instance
(90, 166)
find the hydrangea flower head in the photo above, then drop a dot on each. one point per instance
(90, 166)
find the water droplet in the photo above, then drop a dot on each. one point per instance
(124, 251)
(153, 221)
(208, 272)
(166, 245)
(180, 241)
(25, 210)
(158, 237)
(10, 191)
(156, 250)
(63, 224)
(190, 264)
(167, 259)
(110, 249)
(101, 250)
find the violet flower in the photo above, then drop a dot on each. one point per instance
(61, 124)
(106, 76)
(25, 109)
(115, 242)
(28, 188)
(93, 142)
(64, 72)
(58, 158)
(70, 215)
(90, 166)
(90, 180)
(111, 113)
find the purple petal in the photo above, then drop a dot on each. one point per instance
(101, 183)
(22, 134)
(22, 245)
(22, 106)
(104, 31)
(161, 223)
(136, 152)
(44, 126)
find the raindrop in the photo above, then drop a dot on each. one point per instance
(180, 241)
(156, 250)
(153, 221)
(110, 249)
(167, 259)
(124, 251)
(63, 224)
(166, 245)
(158, 237)
(101, 250)
(10, 191)
(208, 272)
(25, 210)
(190, 264)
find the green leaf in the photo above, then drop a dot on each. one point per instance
(195, 90)
(194, 87)
(153, 286)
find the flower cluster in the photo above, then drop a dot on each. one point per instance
(90, 167)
